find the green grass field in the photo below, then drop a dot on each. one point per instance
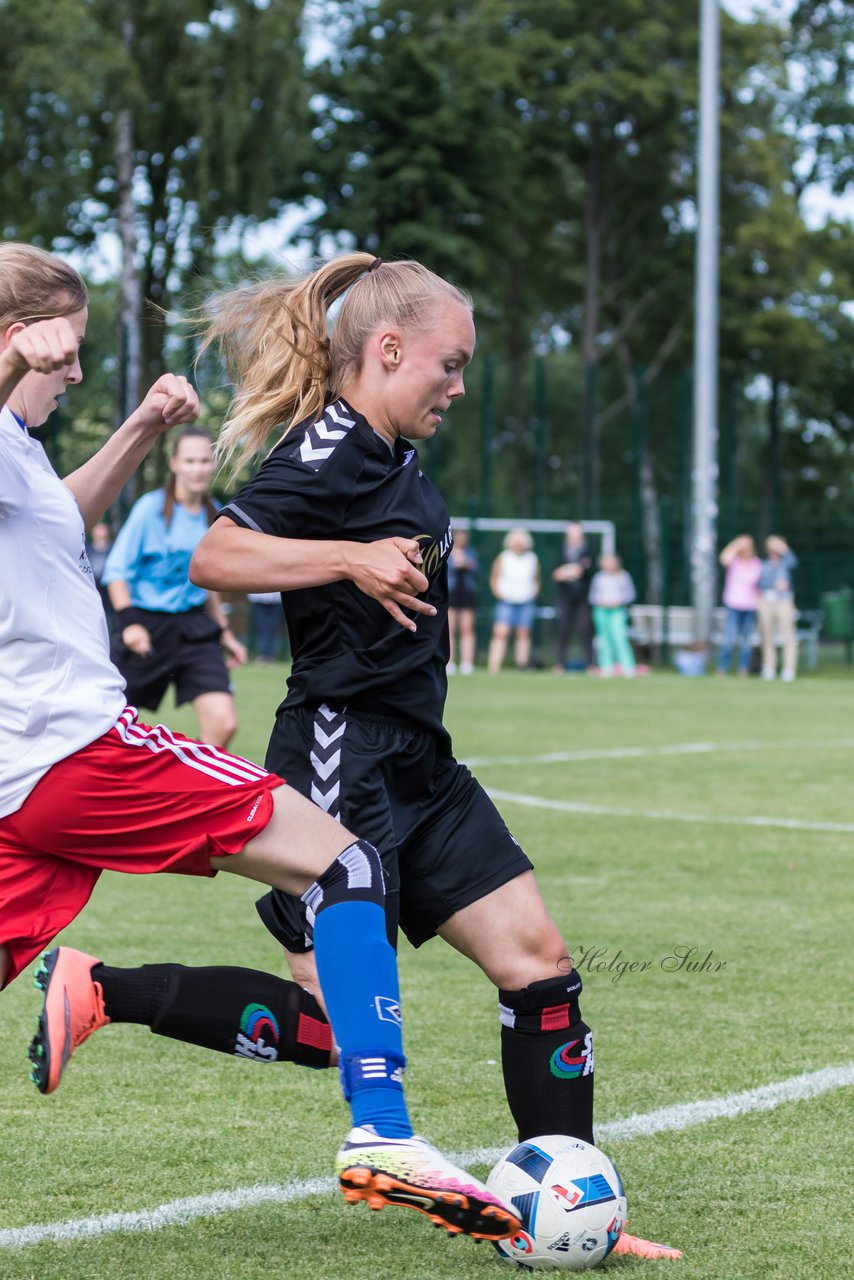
(142, 1122)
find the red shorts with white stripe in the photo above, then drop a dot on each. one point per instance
(138, 799)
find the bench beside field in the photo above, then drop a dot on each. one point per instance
(647, 629)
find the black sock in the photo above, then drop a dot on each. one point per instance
(244, 1012)
(547, 1057)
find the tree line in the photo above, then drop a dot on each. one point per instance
(542, 155)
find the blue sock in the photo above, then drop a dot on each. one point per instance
(357, 968)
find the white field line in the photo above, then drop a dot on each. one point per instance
(683, 1115)
(641, 753)
(667, 815)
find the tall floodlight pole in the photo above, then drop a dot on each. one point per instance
(705, 474)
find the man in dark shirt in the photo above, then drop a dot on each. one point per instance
(572, 585)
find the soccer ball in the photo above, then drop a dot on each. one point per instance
(570, 1199)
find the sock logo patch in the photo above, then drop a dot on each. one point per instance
(379, 1070)
(571, 1061)
(388, 1009)
(258, 1037)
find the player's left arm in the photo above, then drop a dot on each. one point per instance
(96, 485)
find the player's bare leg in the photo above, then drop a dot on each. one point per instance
(467, 640)
(297, 845)
(510, 935)
(522, 648)
(497, 647)
(217, 718)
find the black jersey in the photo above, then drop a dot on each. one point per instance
(336, 478)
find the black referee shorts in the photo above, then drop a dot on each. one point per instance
(443, 843)
(186, 652)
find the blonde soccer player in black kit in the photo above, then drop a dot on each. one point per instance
(343, 372)
(86, 787)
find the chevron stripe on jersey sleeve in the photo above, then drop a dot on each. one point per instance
(323, 435)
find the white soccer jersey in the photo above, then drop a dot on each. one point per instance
(59, 691)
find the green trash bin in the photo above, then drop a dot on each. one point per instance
(838, 618)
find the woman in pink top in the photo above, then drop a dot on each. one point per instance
(741, 600)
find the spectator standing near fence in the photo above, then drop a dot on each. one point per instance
(462, 603)
(169, 631)
(572, 585)
(611, 593)
(267, 617)
(777, 609)
(515, 583)
(98, 544)
(741, 601)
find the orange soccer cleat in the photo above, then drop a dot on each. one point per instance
(73, 1008)
(411, 1173)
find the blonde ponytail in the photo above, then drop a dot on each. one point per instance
(274, 338)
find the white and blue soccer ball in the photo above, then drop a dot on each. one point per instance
(570, 1199)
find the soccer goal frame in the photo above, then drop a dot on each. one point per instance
(606, 529)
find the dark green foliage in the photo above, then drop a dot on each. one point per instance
(540, 154)
(819, 48)
(215, 93)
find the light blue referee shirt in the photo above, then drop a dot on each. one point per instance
(155, 561)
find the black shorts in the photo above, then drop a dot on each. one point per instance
(443, 843)
(186, 652)
(462, 598)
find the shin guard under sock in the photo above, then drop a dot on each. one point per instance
(358, 974)
(244, 1012)
(547, 1058)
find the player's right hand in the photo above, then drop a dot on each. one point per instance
(170, 402)
(387, 571)
(43, 347)
(136, 638)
